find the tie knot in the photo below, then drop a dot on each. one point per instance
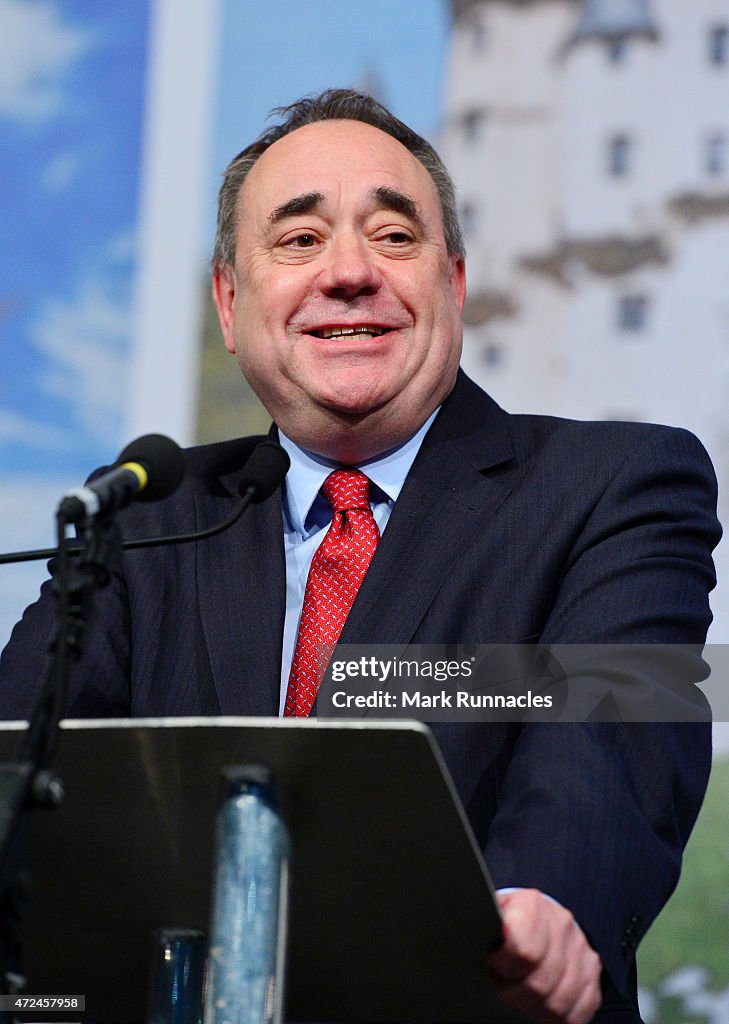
(346, 489)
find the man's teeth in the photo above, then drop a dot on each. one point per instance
(344, 332)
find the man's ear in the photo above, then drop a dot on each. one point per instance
(223, 297)
(457, 278)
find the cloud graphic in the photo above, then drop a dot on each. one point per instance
(84, 340)
(16, 429)
(37, 50)
(122, 249)
(60, 172)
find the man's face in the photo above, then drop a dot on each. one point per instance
(343, 306)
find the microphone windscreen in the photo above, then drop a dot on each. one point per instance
(163, 460)
(265, 470)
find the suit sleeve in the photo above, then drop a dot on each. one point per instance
(99, 685)
(608, 806)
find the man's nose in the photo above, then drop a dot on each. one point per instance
(350, 268)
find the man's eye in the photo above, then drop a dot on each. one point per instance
(397, 237)
(302, 241)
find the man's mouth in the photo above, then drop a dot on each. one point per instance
(360, 331)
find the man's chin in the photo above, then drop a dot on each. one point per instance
(352, 403)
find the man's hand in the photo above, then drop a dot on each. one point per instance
(545, 967)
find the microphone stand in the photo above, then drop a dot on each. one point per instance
(29, 782)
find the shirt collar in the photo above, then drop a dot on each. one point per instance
(309, 471)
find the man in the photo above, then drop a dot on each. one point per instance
(339, 281)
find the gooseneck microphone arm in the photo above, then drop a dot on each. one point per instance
(262, 474)
(249, 496)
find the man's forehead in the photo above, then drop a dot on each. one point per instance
(320, 157)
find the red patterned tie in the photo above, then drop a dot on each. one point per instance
(337, 570)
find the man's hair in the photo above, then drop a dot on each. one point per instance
(331, 105)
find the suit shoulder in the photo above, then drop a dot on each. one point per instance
(489, 436)
(613, 439)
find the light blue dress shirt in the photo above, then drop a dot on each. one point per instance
(307, 515)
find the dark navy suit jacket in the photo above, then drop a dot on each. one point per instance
(509, 529)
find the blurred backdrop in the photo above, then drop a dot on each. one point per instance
(589, 140)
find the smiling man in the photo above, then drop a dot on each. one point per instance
(417, 511)
(342, 301)
(339, 281)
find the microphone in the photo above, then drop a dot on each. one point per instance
(149, 468)
(265, 470)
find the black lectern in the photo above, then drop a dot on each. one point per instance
(392, 910)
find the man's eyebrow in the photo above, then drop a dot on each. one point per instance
(386, 198)
(304, 203)
(390, 199)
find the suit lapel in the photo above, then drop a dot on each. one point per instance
(241, 588)
(449, 495)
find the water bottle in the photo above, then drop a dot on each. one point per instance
(177, 977)
(248, 923)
